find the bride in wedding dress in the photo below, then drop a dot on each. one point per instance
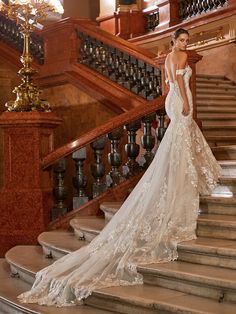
(160, 212)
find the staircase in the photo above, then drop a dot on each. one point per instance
(202, 280)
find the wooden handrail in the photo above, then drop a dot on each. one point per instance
(104, 129)
(91, 29)
(188, 24)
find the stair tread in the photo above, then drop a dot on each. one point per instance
(61, 240)
(201, 273)
(10, 288)
(212, 96)
(218, 126)
(212, 115)
(211, 76)
(221, 85)
(225, 147)
(110, 206)
(213, 109)
(223, 137)
(93, 224)
(228, 220)
(227, 162)
(163, 299)
(222, 199)
(28, 257)
(210, 245)
(227, 180)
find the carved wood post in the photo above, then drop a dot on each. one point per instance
(114, 157)
(148, 140)
(59, 191)
(132, 149)
(168, 13)
(79, 180)
(98, 168)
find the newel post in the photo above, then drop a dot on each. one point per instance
(26, 193)
(168, 13)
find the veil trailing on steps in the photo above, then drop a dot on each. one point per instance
(160, 212)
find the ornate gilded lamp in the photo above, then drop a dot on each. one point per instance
(27, 13)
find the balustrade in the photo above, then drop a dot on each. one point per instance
(10, 34)
(116, 174)
(191, 8)
(152, 20)
(133, 74)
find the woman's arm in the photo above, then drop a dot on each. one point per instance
(179, 77)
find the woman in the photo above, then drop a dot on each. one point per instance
(160, 212)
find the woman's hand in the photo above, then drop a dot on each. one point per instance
(186, 109)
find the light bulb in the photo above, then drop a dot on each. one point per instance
(21, 1)
(56, 4)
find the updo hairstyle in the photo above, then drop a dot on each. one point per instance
(177, 33)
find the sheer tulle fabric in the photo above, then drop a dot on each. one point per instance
(160, 212)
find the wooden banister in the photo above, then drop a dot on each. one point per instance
(190, 23)
(92, 135)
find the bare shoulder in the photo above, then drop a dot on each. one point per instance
(182, 55)
(182, 59)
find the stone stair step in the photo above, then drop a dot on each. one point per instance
(216, 109)
(226, 186)
(223, 85)
(26, 260)
(10, 288)
(87, 228)
(218, 140)
(209, 77)
(228, 167)
(110, 208)
(201, 280)
(208, 251)
(146, 299)
(219, 122)
(215, 91)
(218, 204)
(220, 129)
(216, 103)
(225, 152)
(217, 226)
(213, 97)
(217, 116)
(59, 243)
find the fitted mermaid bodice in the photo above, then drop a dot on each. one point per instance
(174, 101)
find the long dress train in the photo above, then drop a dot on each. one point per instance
(160, 212)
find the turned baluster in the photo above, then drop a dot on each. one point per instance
(59, 191)
(161, 128)
(137, 79)
(216, 3)
(205, 5)
(114, 158)
(98, 168)
(148, 140)
(210, 4)
(194, 8)
(132, 149)
(79, 180)
(199, 6)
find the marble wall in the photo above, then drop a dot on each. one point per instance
(219, 61)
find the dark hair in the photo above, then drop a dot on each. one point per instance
(177, 33)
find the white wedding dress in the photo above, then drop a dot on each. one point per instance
(160, 212)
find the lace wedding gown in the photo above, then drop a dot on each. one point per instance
(160, 212)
